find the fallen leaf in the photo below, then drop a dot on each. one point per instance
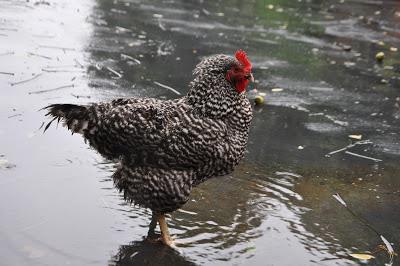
(362, 256)
(358, 137)
(388, 246)
(380, 56)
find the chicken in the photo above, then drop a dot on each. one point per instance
(167, 147)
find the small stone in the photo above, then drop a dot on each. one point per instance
(300, 147)
(380, 43)
(393, 49)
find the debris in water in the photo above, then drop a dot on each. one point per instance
(259, 100)
(11, 116)
(380, 56)
(358, 137)
(387, 247)
(339, 198)
(7, 73)
(54, 89)
(81, 96)
(124, 57)
(5, 164)
(300, 147)
(362, 256)
(57, 47)
(26, 80)
(349, 64)
(276, 89)
(363, 156)
(362, 142)
(39, 55)
(167, 87)
(346, 48)
(114, 72)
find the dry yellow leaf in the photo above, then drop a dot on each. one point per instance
(355, 137)
(362, 256)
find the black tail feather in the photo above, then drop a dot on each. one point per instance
(74, 116)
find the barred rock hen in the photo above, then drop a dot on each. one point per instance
(167, 147)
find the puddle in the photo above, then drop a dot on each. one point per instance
(58, 201)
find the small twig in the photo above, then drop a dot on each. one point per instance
(7, 53)
(114, 72)
(39, 55)
(26, 80)
(125, 56)
(363, 156)
(62, 70)
(57, 47)
(364, 221)
(55, 89)
(78, 63)
(362, 142)
(7, 73)
(11, 116)
(81, 96)
(161, 25)
(59, 66)
(8, 29)
(167, 87)
(43, 36)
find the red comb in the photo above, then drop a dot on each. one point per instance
(242, 58)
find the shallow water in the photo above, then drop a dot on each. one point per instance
(57, 200)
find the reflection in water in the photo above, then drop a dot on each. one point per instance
(146, 253)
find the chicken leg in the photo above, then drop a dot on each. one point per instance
(153, 224)
(165, 237)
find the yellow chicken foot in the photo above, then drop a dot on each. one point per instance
(165, 237)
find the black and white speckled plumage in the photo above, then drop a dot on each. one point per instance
(166, 147)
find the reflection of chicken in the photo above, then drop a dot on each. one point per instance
(168, 147)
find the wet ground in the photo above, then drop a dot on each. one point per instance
(314, 60)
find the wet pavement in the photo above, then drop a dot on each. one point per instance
(315, 62)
